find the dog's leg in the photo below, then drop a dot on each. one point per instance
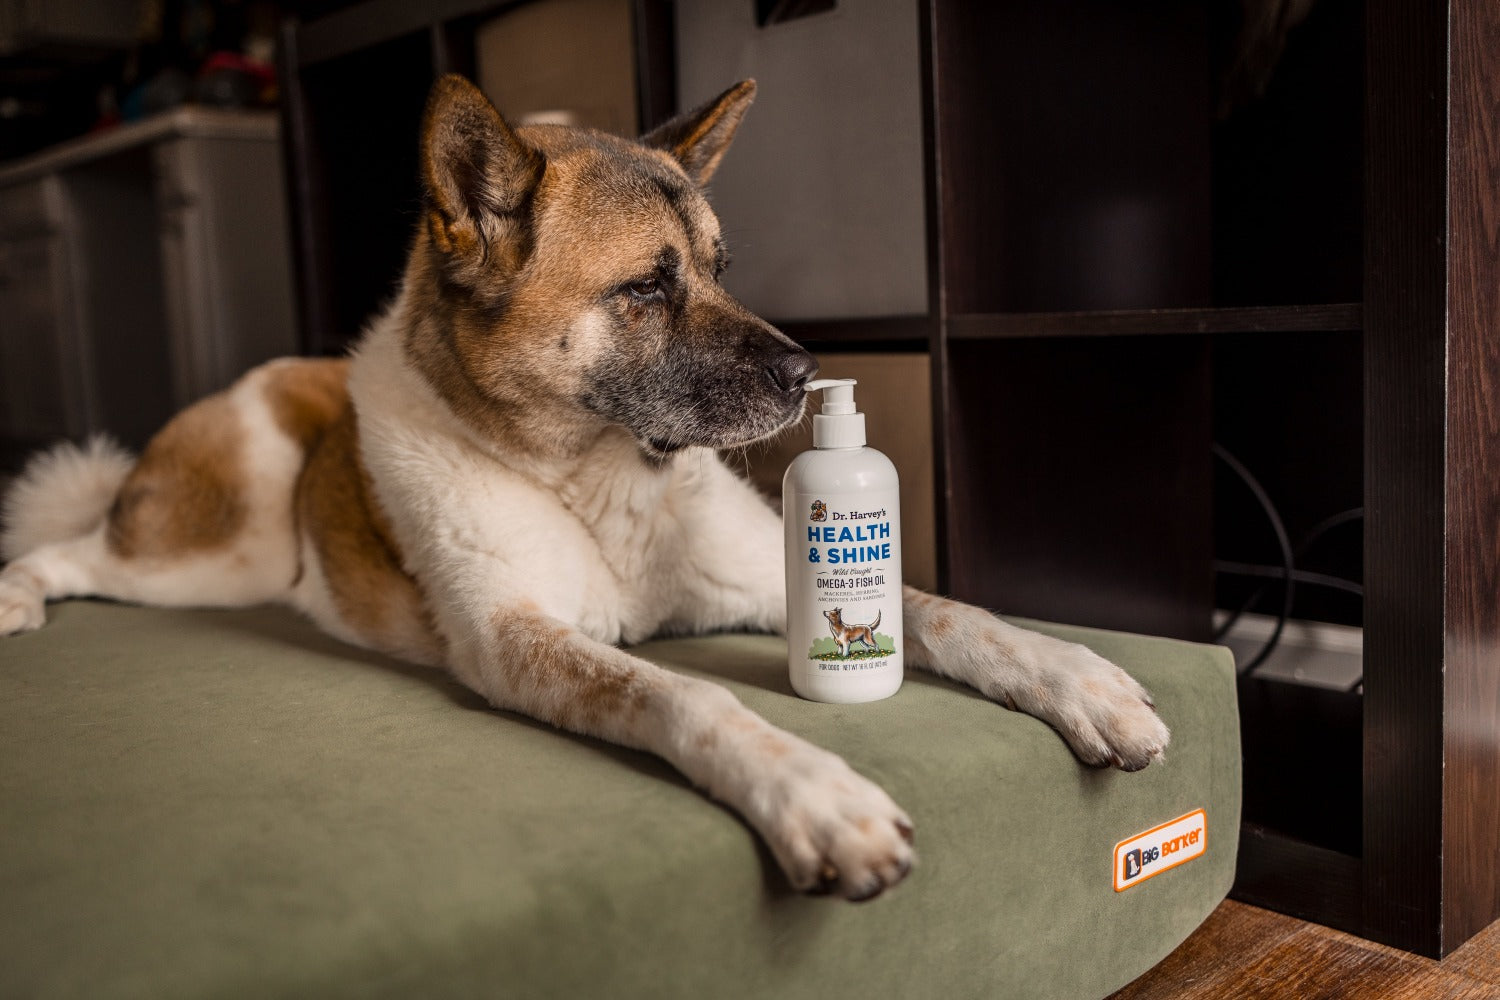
(1106, 717)
(87, 567)
(830, 829)
(74, 568)
(78, 567)
(23, 598)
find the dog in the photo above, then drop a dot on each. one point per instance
(844, 635)
(515, 473)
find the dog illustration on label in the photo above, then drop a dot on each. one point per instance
(819, 511)
(845, 635)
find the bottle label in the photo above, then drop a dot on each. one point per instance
(844, 581)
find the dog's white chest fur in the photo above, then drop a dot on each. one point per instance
(601, 540)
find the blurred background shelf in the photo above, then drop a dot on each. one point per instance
(141, 268)
(1129, 322)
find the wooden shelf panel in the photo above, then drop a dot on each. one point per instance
(1133, 322)
(878, 333)
(913, 332)
(1304, 880)
(357, 28)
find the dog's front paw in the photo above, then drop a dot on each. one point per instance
(831, 829)
(1106, 717)
(22, 609)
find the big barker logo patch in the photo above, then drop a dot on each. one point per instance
(1160, 849)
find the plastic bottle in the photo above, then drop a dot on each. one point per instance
(841, 512)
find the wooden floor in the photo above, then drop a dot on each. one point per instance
(1245, 953)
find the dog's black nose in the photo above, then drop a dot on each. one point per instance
(792, 368)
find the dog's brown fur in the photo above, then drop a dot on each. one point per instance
(186, 493)
(307, 397)
(358, 554)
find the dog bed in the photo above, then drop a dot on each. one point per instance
(205, 803)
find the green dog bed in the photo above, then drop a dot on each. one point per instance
(227, 804)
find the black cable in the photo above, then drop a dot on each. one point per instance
(1326, 525)
(1287, 560)
(1278, 572)
(1314, 534)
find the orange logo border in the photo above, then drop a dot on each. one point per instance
(1158, 869)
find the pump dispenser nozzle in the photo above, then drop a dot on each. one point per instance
(839, 424)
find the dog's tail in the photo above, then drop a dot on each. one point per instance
(63, 493)
(876, 623)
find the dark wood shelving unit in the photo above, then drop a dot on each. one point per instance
(886, 333)
(1104, 248)
(1076, 142)
(1134, 322)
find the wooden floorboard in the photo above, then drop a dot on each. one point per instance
(1479, 958)
(1245, 953)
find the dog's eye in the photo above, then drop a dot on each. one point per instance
(646, 288)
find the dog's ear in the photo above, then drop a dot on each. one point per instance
(478, 174)
(699, 138)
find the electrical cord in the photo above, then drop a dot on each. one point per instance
(1288, 561)
(1314, 534)
(1287, 572)
(1278, 572)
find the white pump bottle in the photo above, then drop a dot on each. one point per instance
(841, 512)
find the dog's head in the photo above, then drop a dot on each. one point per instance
(833, 617)
(574, 276)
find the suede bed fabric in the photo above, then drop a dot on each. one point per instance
(231, 804)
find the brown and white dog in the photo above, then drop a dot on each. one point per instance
(845, 634)
(515, 473)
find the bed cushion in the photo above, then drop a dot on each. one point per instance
(229, 803)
